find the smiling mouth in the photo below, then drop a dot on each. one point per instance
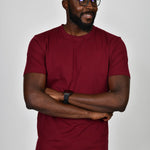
(88, 16)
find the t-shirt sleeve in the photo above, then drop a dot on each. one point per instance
(35, 57)
(118, 63)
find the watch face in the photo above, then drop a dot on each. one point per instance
(66, 94)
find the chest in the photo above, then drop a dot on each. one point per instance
(83, 62)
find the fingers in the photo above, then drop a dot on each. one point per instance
(47, 91)
(108, 116)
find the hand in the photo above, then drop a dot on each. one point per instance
(107, 116)
(98, 115)
(58, 96)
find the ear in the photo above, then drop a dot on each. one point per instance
(65, 4)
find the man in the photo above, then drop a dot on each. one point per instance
(76, 76)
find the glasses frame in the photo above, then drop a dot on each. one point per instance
(91, 3)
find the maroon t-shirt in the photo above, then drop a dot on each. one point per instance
(81, 64)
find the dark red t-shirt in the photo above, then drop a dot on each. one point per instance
(81, 64)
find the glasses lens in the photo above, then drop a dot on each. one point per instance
(98, 2)
(95, 2)
(85, 2)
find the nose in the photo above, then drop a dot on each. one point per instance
(89, 5)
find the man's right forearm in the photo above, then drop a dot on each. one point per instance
(43, 103)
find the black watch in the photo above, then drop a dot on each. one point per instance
(67, 93)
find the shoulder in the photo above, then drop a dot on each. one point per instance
(44, 37)
(48, 33)
(111, 40)
(105, 35)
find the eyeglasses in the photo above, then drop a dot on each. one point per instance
(95, 3)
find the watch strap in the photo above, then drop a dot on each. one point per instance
(66, 97)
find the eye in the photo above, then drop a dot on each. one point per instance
(83, 2)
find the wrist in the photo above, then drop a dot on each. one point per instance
(67, 94)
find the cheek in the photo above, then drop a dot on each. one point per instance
(76, 8)
(78, 11)
(79, 8)
(96, 9)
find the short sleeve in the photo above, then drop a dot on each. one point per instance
(35, 62)
(118, 60)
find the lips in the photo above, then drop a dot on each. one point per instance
(88, 15)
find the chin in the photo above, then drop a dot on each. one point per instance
(86, 27)
(88, 21)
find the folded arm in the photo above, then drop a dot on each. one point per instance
(114, 100)
(36, 98)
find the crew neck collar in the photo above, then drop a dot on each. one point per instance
(67, 35)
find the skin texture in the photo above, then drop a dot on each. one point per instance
(98, 106)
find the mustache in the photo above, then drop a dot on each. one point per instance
(88, 12)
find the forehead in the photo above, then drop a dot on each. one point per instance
(73, 0)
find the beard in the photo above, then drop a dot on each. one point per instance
(77, 20)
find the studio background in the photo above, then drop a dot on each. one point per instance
(20, 20)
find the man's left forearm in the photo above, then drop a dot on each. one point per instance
(114, 100)
(105, 102)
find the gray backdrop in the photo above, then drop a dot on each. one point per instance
(20, 20)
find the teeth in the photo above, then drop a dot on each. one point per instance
(88, 15)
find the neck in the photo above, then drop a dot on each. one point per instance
(73, 29)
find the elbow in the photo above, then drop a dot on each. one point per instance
(122, 108)
(122, 104)
(29, 104)
(30, 101)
